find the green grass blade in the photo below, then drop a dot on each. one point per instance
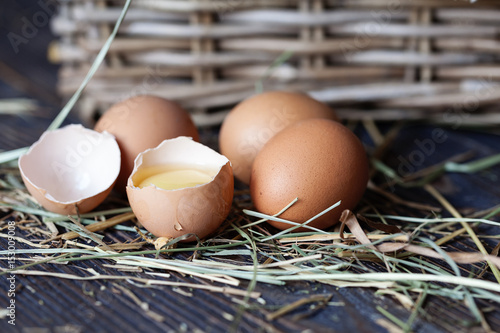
(59, 119)
(97, 62)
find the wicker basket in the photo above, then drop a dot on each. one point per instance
(370, 59)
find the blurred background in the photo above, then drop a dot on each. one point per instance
(444, 48)
(27, 78)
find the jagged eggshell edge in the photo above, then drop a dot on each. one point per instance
(56, 152)
(196, 210)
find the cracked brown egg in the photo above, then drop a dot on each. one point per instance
(71, 167)
(181, 188)
(254, 121)
(318, 161)
(143, 122)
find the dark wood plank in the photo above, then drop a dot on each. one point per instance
(53, 304)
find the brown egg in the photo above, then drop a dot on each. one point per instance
(318, 161)
(257, 119)
(143, 122)
(181, 187)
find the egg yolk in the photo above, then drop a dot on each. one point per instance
(169, 178)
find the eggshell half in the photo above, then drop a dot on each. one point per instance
(318, 161)
(198, 210)
(71, 166)
(254, 121)
(143, 122)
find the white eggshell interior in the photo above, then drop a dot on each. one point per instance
(180, 151)
(72, 163)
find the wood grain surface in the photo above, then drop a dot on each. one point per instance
(49, 304)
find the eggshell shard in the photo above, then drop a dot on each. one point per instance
(200, 209)
(254, 121)
(318, 161)
(71, 166)
(143, 122)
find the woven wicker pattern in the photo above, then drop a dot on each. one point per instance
(401, 58)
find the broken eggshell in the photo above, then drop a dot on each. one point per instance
(71, 167)
(198, 209)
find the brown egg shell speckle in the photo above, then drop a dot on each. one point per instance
(71, 166)
(143, 122)
(254, 121)
(196, 210)
(319, 162)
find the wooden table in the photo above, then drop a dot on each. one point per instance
(52, 304)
